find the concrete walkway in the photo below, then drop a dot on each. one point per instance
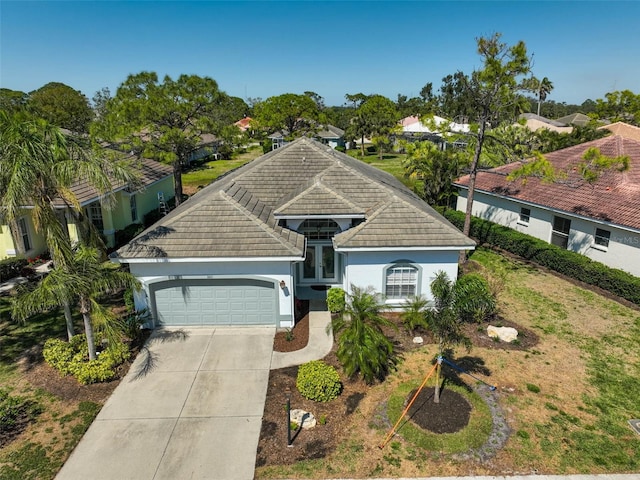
(190, 407)
(320, 340)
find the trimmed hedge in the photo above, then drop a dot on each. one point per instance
(336, 300)
(318, 381)
(571, 264)
(11, 267)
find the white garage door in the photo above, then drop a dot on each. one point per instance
(215, 302)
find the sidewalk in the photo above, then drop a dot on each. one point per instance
(319, 344)
(41, 270)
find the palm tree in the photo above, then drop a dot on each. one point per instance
(38, 165)
(443, 320)
(544, 88)
(84, 280)
(362, 345)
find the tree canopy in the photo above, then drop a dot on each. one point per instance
(294, 113)
(164, 120)
(62, 106)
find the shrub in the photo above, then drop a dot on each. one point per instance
(318, 381)
(71, 358)
(335, 300)
(413, 313)
(341, 148)
(474, 300)
(571, 264)
(11, 267)
(128, 233)
(151, 217)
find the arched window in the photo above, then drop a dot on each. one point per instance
(319, 229)
(401, 281)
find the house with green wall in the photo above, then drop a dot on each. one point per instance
(126, 206)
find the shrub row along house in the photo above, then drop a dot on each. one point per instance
(599, 220)
(127, 207)
(286, 226)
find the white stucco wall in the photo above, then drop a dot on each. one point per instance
(149, 273)
(623, 251)
(365, 269)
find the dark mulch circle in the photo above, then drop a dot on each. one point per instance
(449, 416)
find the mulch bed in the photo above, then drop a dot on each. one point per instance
(321, 440)
(450, 415)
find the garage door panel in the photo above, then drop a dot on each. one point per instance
(199, 302)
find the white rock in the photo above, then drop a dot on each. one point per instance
(303, 418)
(505, 334)
(418, 340)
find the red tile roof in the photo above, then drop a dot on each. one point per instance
(614, 197)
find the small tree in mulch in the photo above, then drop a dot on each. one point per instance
(362, 345)
(444, 321)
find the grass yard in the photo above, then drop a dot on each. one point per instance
(202, 173)
(60, 410)
(567, 399)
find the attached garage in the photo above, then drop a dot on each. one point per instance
(198, 302)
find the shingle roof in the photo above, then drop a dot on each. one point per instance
(237, 215)
(614, 197)
(150, 172)
(577, 118)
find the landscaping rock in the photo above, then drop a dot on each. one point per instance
(505, 334)
(418, 340)
(303, 419)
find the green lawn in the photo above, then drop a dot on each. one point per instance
(390, 163)
(57, 424)
(202, 173)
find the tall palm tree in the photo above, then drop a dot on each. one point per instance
(38, 165)
(84, 280)
(362, 345)
(544, 88)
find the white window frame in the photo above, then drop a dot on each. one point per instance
(560, 233)
(525, 216)
(23, 228)
(95, 216)
(407, 276)
(601, 239)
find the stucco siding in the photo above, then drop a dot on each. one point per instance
(367, 269)
(623, 251)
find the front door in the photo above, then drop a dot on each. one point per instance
(320, 264)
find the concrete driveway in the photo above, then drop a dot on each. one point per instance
(190, 409)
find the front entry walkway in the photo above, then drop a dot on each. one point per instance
(196, 413)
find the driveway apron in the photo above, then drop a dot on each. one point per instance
(190, 408)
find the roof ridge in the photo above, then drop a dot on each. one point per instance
(256, 220)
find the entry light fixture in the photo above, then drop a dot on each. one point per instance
(282, 284)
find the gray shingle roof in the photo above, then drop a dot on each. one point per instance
(150, 172)
(237, 215)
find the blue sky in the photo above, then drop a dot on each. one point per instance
(262, 49)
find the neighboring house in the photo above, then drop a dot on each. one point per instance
(601, 221)
(535, 122)
(244, 124)
(126, 207)
(577, 119)
(207, 147)
(431, 128)
(623, 129)
(326, 134)
(330, 135)
(288, 226)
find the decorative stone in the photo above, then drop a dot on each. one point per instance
(418, 340)
(302, 418)
(505, 334)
